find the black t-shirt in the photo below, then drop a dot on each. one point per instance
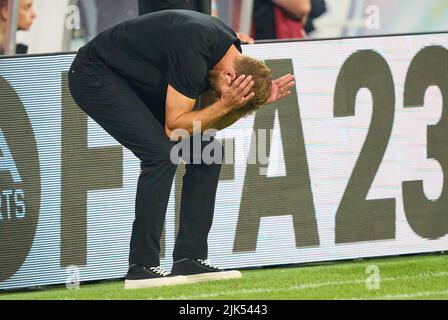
(176, 47)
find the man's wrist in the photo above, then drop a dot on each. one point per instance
(223, 107)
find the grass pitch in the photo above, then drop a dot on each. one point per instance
(411, 277)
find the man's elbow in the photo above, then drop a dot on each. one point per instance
(303, 10)
(176, 134)
(299, 9)
(307, 8)
(168, 129)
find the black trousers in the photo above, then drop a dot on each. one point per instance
(114, 105)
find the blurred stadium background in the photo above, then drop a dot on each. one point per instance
(343, 18)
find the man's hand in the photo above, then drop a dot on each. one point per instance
(280, 88)
(180, 113)
(235, 95)
(245, 38)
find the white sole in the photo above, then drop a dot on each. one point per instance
(213, 276)
(156, 282)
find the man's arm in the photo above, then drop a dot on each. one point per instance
(227, 120)
(180, 113)
(208, 99)
(300, 9)
(280, 89)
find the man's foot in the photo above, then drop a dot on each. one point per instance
(197, 270)
(139, 277)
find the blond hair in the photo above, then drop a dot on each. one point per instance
(261, 76)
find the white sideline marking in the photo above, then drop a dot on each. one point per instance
(312, 286)
(410, 295)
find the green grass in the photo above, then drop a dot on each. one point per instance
(415, 277)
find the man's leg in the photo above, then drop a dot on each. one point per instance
(199, 188)
(153, 190)
(110, 101)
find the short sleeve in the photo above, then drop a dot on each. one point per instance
(187, 70)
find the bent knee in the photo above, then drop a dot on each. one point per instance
(161, 154)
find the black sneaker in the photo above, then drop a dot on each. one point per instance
(196, 270)
(144, 277)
